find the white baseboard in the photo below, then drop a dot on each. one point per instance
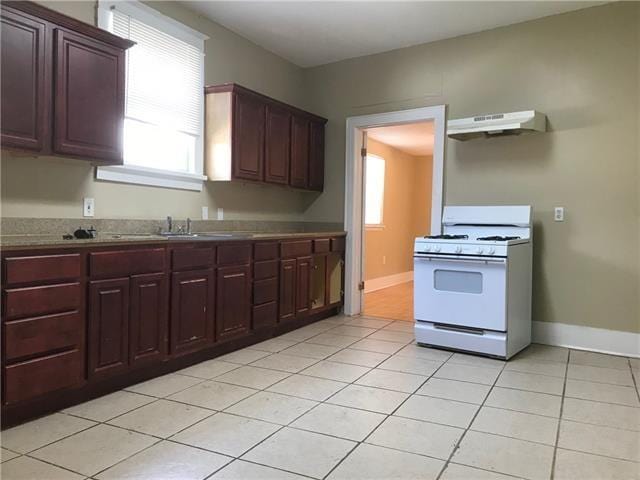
(601, 340)
(386, 282)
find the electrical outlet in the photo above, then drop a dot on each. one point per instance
(205, 213)
(558, 214)
(220, 213)
(88, 207)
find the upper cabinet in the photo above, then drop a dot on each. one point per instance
(62, 83)
(249, 136)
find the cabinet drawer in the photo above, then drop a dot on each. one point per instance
(265, 315)
(297, 248)
(189, 258)
(262, 270)
(337, 244)
(265, 291)
(265, 251)
(34, 301)
(234, 254)
(321, 245)
(122, 263)
(42, 268)
(38, 376)
(33, 336)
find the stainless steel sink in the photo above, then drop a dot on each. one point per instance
(205, 236)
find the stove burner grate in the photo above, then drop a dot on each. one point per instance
(498, 238)
(448, 237)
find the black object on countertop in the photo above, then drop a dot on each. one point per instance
(82, 233)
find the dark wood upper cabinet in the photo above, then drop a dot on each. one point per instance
(316, 156)
(25, 84)
(148, 318)
(233, 302)
(299, 152)
(62, 85)
(248, 137)
(277, 144)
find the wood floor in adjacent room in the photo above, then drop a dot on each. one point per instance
(394, 302)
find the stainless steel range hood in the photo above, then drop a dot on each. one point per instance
(499, 124)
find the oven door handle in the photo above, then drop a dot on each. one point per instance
(476, 260)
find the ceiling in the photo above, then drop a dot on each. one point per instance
(310, 33)
(412, 138)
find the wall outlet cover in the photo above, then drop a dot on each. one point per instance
(205, 213)
(88, 207)
(558, 214)
(220, 213)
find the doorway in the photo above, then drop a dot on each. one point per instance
(359, 129)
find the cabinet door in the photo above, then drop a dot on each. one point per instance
(25, 84)
(303, 285)
(277, 145)
(192, 310)
(108, 327)
(299, 152)
(335, 279)
(89, 103)
(316, 156)
(233, 302)
(318, 281)
(287, 290)
(248, 137)
(148, 318)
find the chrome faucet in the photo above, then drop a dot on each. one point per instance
(169, 224)
(188, 225)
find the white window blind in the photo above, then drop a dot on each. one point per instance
(374, 190)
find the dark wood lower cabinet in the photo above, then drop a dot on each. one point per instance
(233, 302)
(148, 318)
(303, 285)
(287, 290)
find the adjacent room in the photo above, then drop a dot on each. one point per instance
(350, 240)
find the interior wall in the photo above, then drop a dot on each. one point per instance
(54, 187)
(407, 199)
(581, 70)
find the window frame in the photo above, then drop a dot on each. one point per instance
(374, 226)
(157, 177)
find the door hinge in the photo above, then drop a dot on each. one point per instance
(361, 286)
(363, 152)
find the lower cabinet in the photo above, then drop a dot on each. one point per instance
(287, 302)
(233, 302)
(303, 284)
(148, 318)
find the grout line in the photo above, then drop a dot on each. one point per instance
(555, 447)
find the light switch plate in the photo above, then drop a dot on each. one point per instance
(220, 213)
(205, 213)
(558, 214)
(88, 207)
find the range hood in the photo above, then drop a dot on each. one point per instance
(499, 124)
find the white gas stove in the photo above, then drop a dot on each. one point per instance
(473, 283)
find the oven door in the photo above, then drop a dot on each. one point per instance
(461, 291)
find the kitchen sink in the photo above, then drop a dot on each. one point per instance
(206, 236)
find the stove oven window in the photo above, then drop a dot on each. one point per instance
(457, 281)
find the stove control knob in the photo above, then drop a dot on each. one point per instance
(458, 249)
(436, 249)
(492, 251)
(427, 249)
(480, 251)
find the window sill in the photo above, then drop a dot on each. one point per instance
(374, 227)
(151, 177)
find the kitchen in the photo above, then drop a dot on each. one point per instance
(581, 70)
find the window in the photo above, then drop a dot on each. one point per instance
(374, 191)
(163, 126)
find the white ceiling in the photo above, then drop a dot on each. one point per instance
(310, 33)
(412, 138)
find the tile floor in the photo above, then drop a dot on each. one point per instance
(350, 398)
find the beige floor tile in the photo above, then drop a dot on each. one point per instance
(476, 360)
(575, 465)
(226, 434)
(167, 461)
(531, 382)
(165, 385)
(38, 433)
(359, 357)
(285, 363)
(304, 333)
(311, 350)
(598, 360)
(545, 353)
(368, 398)
(162, 418)
(392, 336)
(605, 414)
(462, 472)
(105, 408)
(418, 366)
(398, 381)
(273, 345)
(600, 375)
(244, 356)
(607, 441)
(297, 451)
(523, 401)
(505, 455)
(340, 372)
(311, 388)
(416, 351)
(339, 319)
(252, 377)
(368, 322)
(553, 369)
(349, 331)
(331, 340)
(213, 395)
(209, 369)
(438, 410)
(524, 426)
(414, 436)
(601, 393)
(241, 470)
(467, 373)
(272, 407)
(338, 421)
(93, 450)
(370, 462)
(25, 468)
(635, 363)
(454, 390)
(401, 326)
(6, 455)
(378, 346)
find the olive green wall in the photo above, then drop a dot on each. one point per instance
(581, 69)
